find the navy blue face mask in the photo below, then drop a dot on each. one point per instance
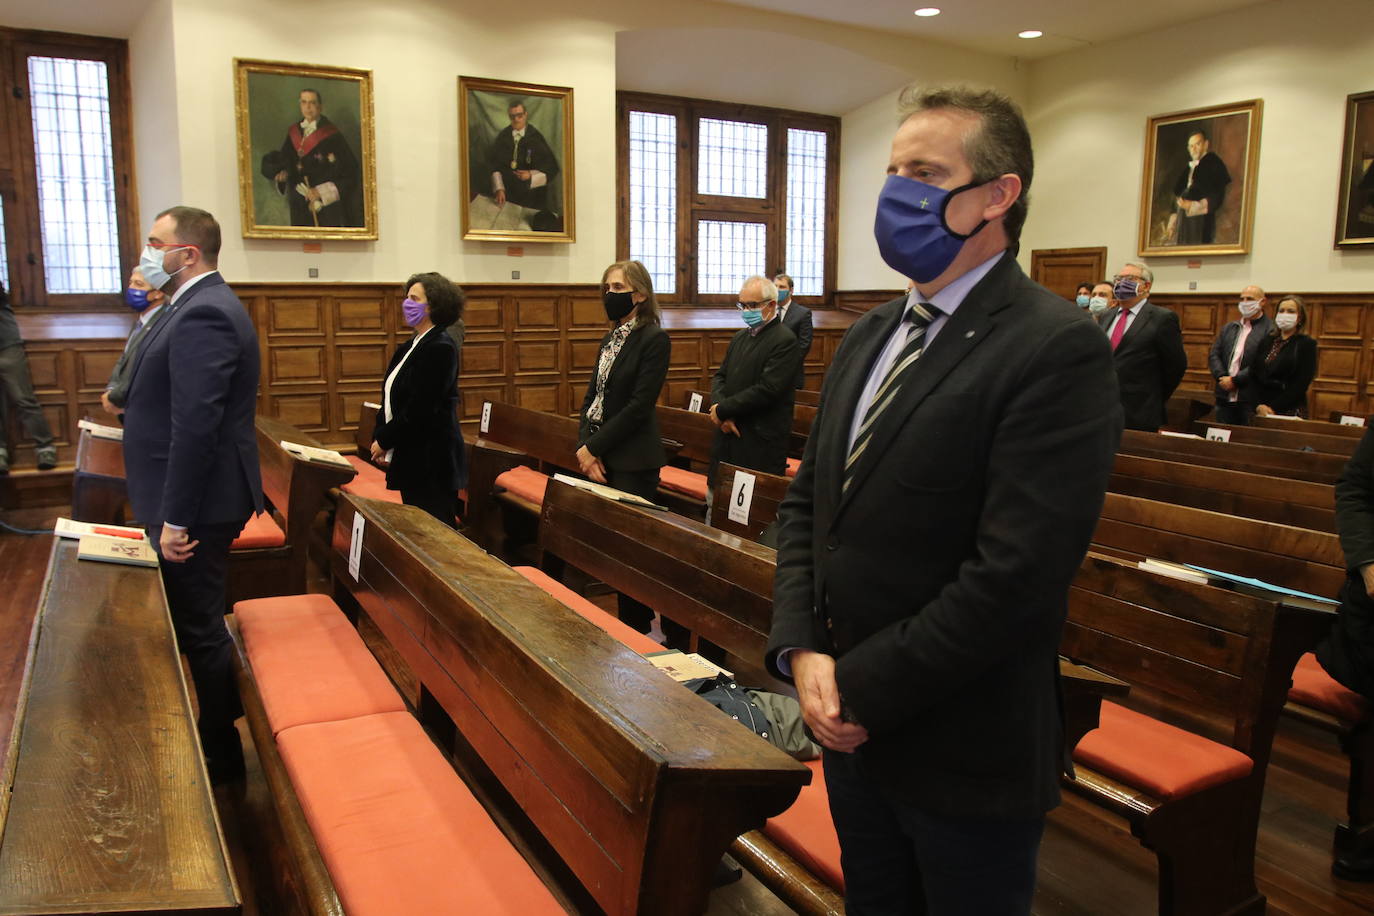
(910, 227)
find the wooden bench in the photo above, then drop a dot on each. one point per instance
(686, 475)
(1223, 657)
(721, 587)
(1322, 427)
(1235, 456)
(1296, 558)
(634, 783)
(768, 492)
(1299, 503)
(106, 805)
(270, 558)
(1304, 438)
(1183, 407)
(99, 493)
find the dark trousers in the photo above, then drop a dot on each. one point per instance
(632, 612)
(898, 859)
(196, 599)
(18, 388)
(438, 501)
(1235, 413)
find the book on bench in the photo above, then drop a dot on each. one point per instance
(685, 666)
(116, 550)
(70, 528)
(101, 431)
(317, 455)
(609, 492)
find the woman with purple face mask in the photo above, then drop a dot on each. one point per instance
(416, 438)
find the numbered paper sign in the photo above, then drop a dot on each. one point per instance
(1218, 435)
(694, 402)
(741, 497)
(486, 417)
(355, 546)
(1348, 420)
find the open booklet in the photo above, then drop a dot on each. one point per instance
(115, 550)
(101, 431)
(608, 492)
(685, 666)
(317, 455)
(68, 528)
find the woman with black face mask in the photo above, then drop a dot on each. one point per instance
(618, 442)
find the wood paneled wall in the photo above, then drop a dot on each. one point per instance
(1341, 323)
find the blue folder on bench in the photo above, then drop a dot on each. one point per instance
(1261, 584)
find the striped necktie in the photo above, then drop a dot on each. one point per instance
(918, 318)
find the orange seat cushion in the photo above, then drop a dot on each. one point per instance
(612, 624)
(681, 480)
(1313, 687)
(1148, 754)
(261, 531)
(526, 483)
(370, 482)
(309, 662)
(399, 831)
(793, 465)
(806, 832)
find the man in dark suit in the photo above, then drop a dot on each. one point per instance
(522, 162)
(945, 500)
(1234, 353)
(797, 319)
(191, 455)
(753, 390)
(1147, 347)
(149, 303)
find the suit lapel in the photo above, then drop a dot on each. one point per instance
(1145, 317)
(151, 338)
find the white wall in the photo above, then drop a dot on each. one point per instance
(1087, 114)
(156, 125)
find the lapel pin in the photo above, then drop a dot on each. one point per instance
(968, 335)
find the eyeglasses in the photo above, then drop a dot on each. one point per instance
(1119, 277)
(752, 305)
(171, 246)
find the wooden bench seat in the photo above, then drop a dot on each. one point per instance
(1235, 456)
(105, 803)
(634, 783)
(769, 489)
(393, 825)
(1301, 438)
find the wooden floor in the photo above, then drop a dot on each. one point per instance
(1088, 863)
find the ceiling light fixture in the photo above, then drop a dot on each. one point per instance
(1030, 33)
(927, 11)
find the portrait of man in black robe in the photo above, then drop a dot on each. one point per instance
(521, 162)
(316, 170)
(1199, 193)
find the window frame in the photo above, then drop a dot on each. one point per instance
(691, 206)
(18, 169)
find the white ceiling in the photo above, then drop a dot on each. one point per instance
(115, 18)
(991, 26)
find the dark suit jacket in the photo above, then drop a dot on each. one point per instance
(118, 388)
(944, 568)
(1150, 363)
(1348, 652)
(798, 321)
(1224, 349)
(628, 439)
(755, 386)
(190, 446)
(1281, 385)
(424, 430)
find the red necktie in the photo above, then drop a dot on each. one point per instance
(1120, 329)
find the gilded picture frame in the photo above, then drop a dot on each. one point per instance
(516, 161)
(1355, 205)
(1197, 193)
(306, 151)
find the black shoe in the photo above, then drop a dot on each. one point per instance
(1353, 869)
(224, 757)
(47, 458)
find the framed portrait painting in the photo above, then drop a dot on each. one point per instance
(307, 160)
(1355, 209)
(1198, 191)
(517, 163)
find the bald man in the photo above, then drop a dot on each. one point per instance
(1236, 350)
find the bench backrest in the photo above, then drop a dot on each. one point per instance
(1298, 439)
(808, 397)
(1299, 503)
(1183, 407)
(694, 430)
(635, 783)
(716, 584)
(1298, 558)
(367, 424)
(1217, 651)
(546, 437)
(1237, 456)
(769, 489)
(1323, 427)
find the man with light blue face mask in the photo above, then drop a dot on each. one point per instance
(753, 390)
(949, 488)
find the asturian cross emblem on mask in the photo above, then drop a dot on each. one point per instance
(925, 202)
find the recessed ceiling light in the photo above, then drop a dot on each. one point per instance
(1030, 33)
(927, 11)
